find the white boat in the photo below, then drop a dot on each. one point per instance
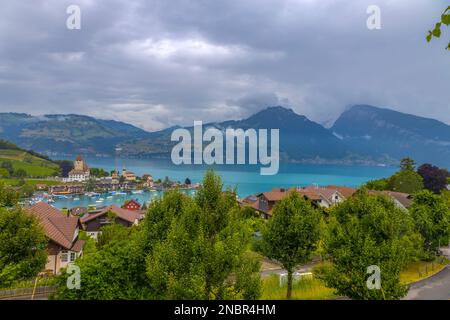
(76, 199)
(121, 193)
(137, 191)
(99, 201)
(109, 197)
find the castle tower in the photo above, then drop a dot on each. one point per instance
(79, 163)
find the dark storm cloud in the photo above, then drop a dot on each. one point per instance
(161, 63)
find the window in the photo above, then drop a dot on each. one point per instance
(64, 256)
(72, 256)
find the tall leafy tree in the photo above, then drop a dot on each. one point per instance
(434, 178)
(406, 181)
(369, 231)
(431, 214)
(407, 164)
(112, 272)
(174, 254)
(22, 246)
(205, 251)
(292, 234)
(8, 197)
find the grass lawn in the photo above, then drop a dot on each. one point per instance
(314, 289)
(420, 270)
(304, 289)
(34, 166)
(32, 182)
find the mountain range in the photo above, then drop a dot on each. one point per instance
(362, 134)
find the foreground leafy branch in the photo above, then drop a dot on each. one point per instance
(436, 32)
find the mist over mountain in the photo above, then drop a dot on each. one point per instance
(378, 132)
(362, 134)
(66, 134)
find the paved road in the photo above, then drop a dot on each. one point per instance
(436, 287)
(305, 268)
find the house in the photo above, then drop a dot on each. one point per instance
(93, 221)
(78, 211)
(264, 202)
(66, 189)
(41, 186)
(128, 175)
(323, 197)
(401, 200)
(80, 172)
(147, 180)
(326, 196)
(254, 202)
(132, 205)
(61, 230)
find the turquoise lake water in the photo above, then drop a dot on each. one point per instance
(246, 178)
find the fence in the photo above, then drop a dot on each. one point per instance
(26, 293)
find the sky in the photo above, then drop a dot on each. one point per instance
(161, 63)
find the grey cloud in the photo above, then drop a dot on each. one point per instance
(160, 63)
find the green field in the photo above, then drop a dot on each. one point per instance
(34, 166)
(31, 182)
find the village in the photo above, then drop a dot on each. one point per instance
(62, 226)
(81, 182)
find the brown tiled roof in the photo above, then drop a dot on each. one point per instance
(311, 194)
(124, 214)
(347, 192)
(275, 194)
(59, 228)
(78, 245)
(405, 199)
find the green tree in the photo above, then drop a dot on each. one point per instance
(113, 233)
(431, 214)
(292, 234)
(407, 164)
(20, 173)
(90, 185)
(8, 196)
(98, 172)
(173, 254)
(369, 231)
(22, 246)
(406, 181)
(436, 32)
(113, 272)
(26, 191)
(205, 251)
(381, 184)
(4, 173)
(166, 183)
(8, 166)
